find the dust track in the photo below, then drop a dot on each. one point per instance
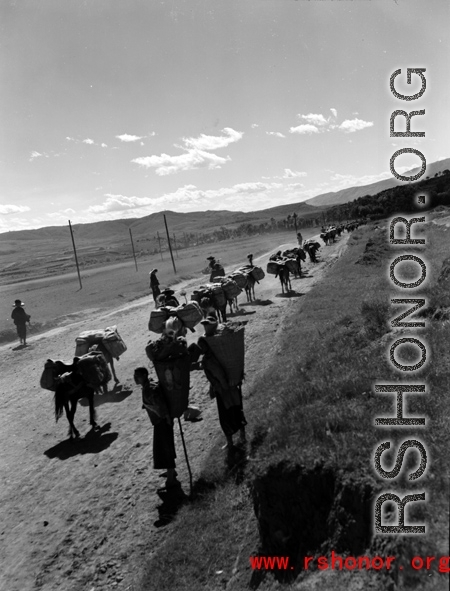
(77, 516)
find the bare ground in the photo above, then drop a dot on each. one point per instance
(84, 515)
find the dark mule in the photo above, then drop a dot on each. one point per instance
(210, 308)
(67, 394)
(250, 288)
(283, 274)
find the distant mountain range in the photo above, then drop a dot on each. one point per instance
(207, 221)
(352, 193)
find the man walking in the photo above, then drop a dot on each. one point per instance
(154, 284)
(20, 318)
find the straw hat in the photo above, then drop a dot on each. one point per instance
(209, 320)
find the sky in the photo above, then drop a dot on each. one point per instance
(115, 109)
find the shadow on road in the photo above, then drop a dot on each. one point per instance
(172, 501)
(95, 441)
(257, 303)
(117, 394)
(290, 294)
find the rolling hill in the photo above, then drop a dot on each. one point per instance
(352, 193)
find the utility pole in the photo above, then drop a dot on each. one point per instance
(132, 246)
(170, 246)
(75, 253)
(159, 241)
(295, 216)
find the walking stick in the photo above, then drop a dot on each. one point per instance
(186, 456)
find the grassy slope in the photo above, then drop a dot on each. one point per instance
(316, 402)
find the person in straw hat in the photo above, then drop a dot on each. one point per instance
(20, 318)
(169, 297)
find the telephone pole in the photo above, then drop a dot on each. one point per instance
(170, 246)
(75, 253)
(132, 246)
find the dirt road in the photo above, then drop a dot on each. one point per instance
(74, 516)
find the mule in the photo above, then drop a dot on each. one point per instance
(209, 308)
(67, 394)
(109, 360)
(250, 288)
(285, 280)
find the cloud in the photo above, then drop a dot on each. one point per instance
(126, 137)
(197, 154)
(35, 154)
(192, 160)
(352, 125)
(104, 145)
(315, 119)
(7, 209)
(295, 185)
(119, 203)
(304, 129)
(317, 123)
(210, 142)
(254, 125)
(88, 141)
(275, 133)
(292, 174)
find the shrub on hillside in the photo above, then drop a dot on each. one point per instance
(376, 315)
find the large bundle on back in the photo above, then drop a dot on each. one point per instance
(227, 345)
(202, 292)
(257, 273)
(240, 278)
(158, 318)
(109, 337)
(93, 369)
(273, 267)
(172, 365)
(190, 315)
(113, 342)
(230, 288)
(218, 295)
(87, 339)
(311, 242)
(49, 377)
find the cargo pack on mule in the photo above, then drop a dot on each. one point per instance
(240, 278)
(230, 288)
(94, 370)
(256, 273)
(49, 377)
(109, 338)
(92, 367)
(190, 314)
